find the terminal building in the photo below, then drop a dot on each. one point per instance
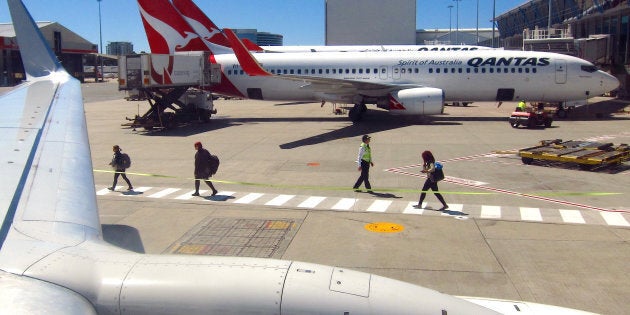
(70, 48)
(369, 22)
(259, 38)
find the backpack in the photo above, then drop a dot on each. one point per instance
(125, 160)
(438, 174)
(213, 164)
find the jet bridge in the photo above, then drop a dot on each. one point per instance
(176, 87)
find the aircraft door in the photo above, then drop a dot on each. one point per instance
(395, 73)
(382, 72)
(561, 71)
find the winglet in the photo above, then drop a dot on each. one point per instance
(245, 58)
(38, 59)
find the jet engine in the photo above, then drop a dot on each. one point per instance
(416, 101)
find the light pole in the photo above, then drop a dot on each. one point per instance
(100, 36)
(494, 7)
(450, 18)
(457, 21)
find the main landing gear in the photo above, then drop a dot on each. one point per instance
(356, 113)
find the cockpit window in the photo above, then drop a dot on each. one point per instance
(589, 69)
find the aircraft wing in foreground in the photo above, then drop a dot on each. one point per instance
(53, 259)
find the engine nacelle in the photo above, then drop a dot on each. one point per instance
(417, 101)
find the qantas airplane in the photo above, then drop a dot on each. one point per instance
(53, 258)
(212, 36)
(403, 82)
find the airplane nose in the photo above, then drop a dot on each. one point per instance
(608, 82)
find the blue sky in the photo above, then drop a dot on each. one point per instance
(300, 21)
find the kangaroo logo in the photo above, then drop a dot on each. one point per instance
(174, 40)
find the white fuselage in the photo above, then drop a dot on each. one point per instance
(481, 75)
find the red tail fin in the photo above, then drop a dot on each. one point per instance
(245, 58)
(166, 29)
(201, 23)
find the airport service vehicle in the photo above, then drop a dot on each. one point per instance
(54, 260)
(175, 93)
(587, 155)
(530, 119)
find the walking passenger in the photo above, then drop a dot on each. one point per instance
(120, 162)
(428, 167)
(202, 168)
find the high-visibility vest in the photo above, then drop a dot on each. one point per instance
(367, 153)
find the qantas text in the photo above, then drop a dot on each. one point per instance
(480, 62)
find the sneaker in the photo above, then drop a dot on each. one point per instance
(130, 188)
(195, 194)
(214, 192)
(111, 188)
(418, 206)
(444, 207)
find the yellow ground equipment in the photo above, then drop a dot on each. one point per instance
(588, 155)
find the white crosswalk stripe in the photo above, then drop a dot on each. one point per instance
(189, 195)
(490, 212)
(509, 213)
(614, 218)
(410, 209)
(164, 193)
(311, 202)
(249, 198)
(279, 200)
(379, 206)
(344, 204)
(530, 214)
(572, 216)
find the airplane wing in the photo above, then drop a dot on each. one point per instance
(316, 84)
(47, 192)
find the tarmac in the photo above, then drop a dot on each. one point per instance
(547, 233)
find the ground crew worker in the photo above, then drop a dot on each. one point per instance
(521, 107)
(364, 161)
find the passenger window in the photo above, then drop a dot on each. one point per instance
(229, 72)
(299, 71)
(417, 70)
(491, 70)
(589, 69)
(476, 70)
(520, 70)
(327, 71)
(383, 70)
(347, 71)
(291, 71)
(430, 70)
(534, 70)
(354, 71)
(460, 70)
(334, 71)
(367, 70)
(320, 71)
(526, 70)
(284, 71)
(402, 70)
(513, 70)
(437, 70)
